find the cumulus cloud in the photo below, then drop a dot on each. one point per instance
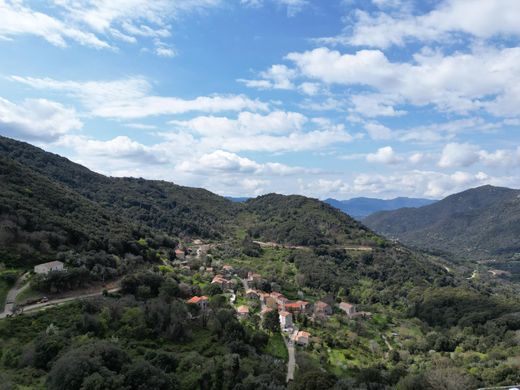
(482, 19)
(384, 155)
(460, 82)
(277, 131)
(37, 119)
(132, 98)
(456, 155)
(221, 161)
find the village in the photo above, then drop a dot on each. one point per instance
(247, 294)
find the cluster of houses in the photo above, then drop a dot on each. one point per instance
(276, 301)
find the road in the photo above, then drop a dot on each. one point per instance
(12, 294)
(56, 302)
(291, 364)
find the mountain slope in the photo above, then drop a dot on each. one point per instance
(475, 224)
(39, 216)
(174, 209)
(362, 207)
(298, 220)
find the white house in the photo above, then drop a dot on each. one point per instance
(348, 308)
(45, 268)
(285, 320)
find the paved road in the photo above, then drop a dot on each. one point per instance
(291, 364)
(56, 302)
(12, 294)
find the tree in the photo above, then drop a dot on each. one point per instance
(271, 321)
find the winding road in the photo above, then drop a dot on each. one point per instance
(29, 309)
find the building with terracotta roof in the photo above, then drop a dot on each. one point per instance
(202, 301)
(297, 307)
(222, 282)
(301, 338)
(180, 254)
(243, 311)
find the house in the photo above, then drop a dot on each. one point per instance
(222, 282)
(180, 254)
(265, 310)
(322, 309)
(201, 302)
(348, 308)
(45, 268)
(286, 321)
(254, 277)
(243, 311)
(226, 268)
(297, 307)
(301, 338)
(252, 294)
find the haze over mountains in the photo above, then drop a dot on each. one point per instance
(362, 207)
(477, 224)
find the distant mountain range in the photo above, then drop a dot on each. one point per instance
(477, 224)
(238, 199)
(362, 207)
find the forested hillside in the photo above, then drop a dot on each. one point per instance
(174, 209)
(420, 324)
(480, 223)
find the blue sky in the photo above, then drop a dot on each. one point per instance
(336, 98)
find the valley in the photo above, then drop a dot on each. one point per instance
(183, 289)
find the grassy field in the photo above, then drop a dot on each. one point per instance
(276, 347)
(28, 294)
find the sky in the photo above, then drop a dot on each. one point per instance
(335, 98)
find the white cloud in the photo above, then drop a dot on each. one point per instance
(276, 77)
(96, 23)
(482, 19)
(246, 123)
(277, 131)
(374, 105)
(293, 6)
(377, 131)
(456, 155)
(131, 98)
(221, 161)
(460, 82)
(384, 155)
(119, 148)
(37, 119)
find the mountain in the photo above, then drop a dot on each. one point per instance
(237, 199)
(362, 207)
(479, 223)
(147, 335)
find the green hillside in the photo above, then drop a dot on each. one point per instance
(424, 325)
(477, 224)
